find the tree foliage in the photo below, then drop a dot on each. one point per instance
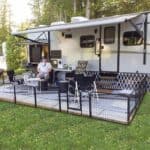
(56, 10)
(4, 21)
(15, 53)
(113, 7)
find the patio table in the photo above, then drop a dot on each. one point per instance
(61, 73)
(34, 82)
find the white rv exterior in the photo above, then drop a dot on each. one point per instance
(71, 50)
(113, 56)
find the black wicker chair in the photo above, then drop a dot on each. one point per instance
(11, 76)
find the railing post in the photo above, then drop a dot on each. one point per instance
(90, 105)
(128, 109)
(35, 99)
(67, 101)
(14, 94)
(59, 95)
(81, 102)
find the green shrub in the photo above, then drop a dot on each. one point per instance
(15, 54)
(20, 71)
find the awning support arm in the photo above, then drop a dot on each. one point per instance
(136, 28)
(43, 33)
(29, 39)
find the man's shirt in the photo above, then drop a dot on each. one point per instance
(44, 67)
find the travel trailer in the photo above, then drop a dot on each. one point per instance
(111, 59)
(118, 43)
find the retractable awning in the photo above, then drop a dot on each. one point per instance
(83, 24)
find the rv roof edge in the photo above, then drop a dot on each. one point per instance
(87, 23)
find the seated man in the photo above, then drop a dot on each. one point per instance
(44, 68)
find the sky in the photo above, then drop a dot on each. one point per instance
(20, 11)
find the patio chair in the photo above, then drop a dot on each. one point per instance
(29, 67)
(11, 76)
(11, 79)
(77, 79)
(81, 83)
(81, 67)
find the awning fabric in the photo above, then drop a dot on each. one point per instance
(83, 24)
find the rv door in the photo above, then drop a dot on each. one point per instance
(109, 48)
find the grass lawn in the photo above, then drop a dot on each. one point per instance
(29, 128)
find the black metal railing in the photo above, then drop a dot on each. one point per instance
(101, 106)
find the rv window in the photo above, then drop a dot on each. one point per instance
(109, 35)
(56, 54)
(68, 36)
(87, 41)
(132, 38)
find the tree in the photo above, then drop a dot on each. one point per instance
(88, 9)
(36, 6)
(4, 21)
(55, 10)
(101, 8)
(14, 53)
(74, 6)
